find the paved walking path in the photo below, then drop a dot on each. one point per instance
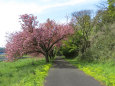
(64, 74)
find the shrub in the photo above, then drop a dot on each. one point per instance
(69, 49)
(103, 45)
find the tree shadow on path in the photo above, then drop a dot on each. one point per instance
(61, 63)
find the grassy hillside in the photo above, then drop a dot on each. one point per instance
(24, 72)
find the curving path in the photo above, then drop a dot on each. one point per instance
(64, 74)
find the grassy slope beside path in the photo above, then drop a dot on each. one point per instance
(104, 72)
(23, 72)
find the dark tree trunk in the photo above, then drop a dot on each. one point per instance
(51, 54)
(47, 58)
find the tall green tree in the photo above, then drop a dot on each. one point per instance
(82, 22)
(111, 9)
(106, 14)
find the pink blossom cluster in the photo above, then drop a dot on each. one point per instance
(36, 38)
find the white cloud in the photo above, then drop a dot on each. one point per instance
(67, 3)
(47, 0)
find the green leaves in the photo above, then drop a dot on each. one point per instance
(104, 72)
(111, 9)
(23, 72)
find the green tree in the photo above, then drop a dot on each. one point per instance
(82, 22)
(111, 9)
(106, 14)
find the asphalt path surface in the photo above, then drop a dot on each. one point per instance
(64, 74)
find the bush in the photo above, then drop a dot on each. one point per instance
(69, 49)
(103, 45)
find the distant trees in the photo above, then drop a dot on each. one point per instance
(111, 9)
(36, 39)
(79, 42)
(69, 48)
(89, 39)
(106, 14)
(83, 24)
(2, 50)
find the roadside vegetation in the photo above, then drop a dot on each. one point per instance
(103, 72)
(24, 72)
(2, 50)
(92, 46)
(87, 41)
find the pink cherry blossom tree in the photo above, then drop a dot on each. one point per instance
(36, 38)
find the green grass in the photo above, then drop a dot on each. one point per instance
(23, 72)
(103, 72)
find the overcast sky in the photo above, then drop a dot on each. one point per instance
(43, 9)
